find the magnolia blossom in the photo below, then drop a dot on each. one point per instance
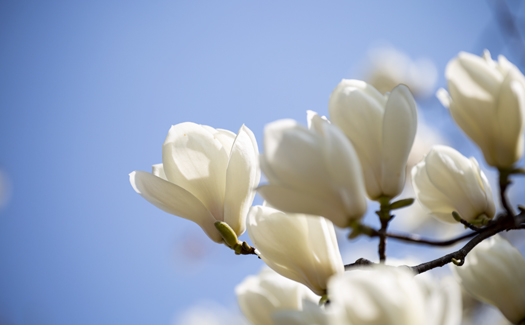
(207, 175)
(443, 300)
(494, 273)
(446, 181)
(262, 295)
(313, 171)
(487, 100)
(378, 295)
(381, 128)
(311, 314)
(300, 247)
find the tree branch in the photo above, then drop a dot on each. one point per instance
(431, 242)
(503, 223)
(458, 256)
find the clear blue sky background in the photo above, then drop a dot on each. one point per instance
(88, 91)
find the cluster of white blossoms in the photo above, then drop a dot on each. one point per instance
(322, 175)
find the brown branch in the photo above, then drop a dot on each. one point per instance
(431, 242)
(505, 224)
(359, 262)
(504, 182)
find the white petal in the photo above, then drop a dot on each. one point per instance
(158, 170)
(302, 248)
(510, 123)
(399, 131)
(175, 200)
(345, 171)
(242, 177)
(357, 109)
(293, 201)
(196, 160)
(292, 151)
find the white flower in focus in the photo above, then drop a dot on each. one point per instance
(207, 175)
(300, 247)
(487, 100)
(382, 129)
(377, 295)
(262, 295)
(388, 67)
(313, 171)
(494, 272)
(446, 181)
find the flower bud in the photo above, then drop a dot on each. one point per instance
(381, 128)
(300, 247)
(313, 171)
(207, 175)
(487, 101)
(262, 295)
(446, 181)
(494, 273)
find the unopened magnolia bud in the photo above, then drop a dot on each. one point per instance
(313, 171)
(494, 272)
(382, 129)
(300, 247)
(487, 100)
(446, 181)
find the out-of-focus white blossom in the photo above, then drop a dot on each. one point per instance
(377, 295)
(207, 175)
(209, 312)
(381, 128)
(443, 299)
(446, 181)
(300, 247)
(311, 314)
(494, 272)
(487, 100)
(313, 171)
(262, 295)
(388, 67)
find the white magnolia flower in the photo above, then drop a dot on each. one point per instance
(446, 181)
(487, 100)
(300, 247)
(311, 314)
(388, 67)
(442, 298)
(494, 272)
(207, 175)
(262, 295)
(313, 171)
(377, 295)
(381, 128)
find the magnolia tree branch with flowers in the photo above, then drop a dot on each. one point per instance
(324, 174)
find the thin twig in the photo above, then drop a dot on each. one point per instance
(358, 262)
(459, 255)
(431, 242)
(504, 182)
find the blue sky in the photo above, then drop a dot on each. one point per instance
(88, 91)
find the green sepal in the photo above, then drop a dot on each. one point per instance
(323, 300)
(401, 203)
(227, 233)
(456, 216)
